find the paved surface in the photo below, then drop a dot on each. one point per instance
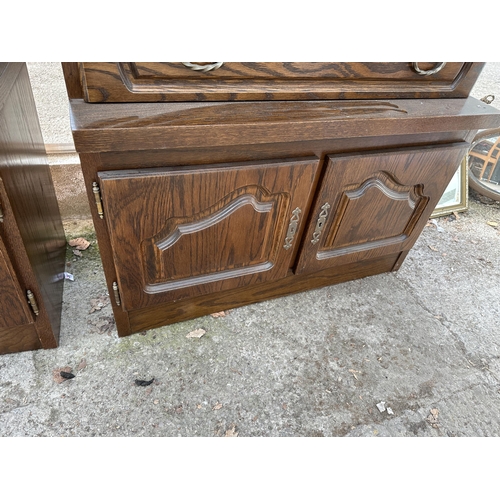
(421, 344)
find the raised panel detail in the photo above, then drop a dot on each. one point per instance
(208, 246)
(378, 212)
(378, 202)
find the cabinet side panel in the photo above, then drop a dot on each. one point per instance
(37, 240)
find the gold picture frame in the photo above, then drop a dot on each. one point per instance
(456, 196)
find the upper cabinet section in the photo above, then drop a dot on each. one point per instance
(233, 81)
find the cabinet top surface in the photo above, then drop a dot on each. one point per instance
(101, 127)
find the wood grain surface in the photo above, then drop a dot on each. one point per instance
(236, 81)
(378, 203)
(149, 126)
(184, 232)
(193, 191)
(32, 230)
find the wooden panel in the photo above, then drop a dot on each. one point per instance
(19, 338)
(177, 233)
(148, 126)
(13, 308)
(161, 81)
(32, 229)
(375, 204)
(72, 78)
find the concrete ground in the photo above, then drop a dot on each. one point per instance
(412, 353)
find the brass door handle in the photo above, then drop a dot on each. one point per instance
(292, 228)
(320, 223)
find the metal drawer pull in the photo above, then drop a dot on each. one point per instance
(432, 71)
(292, 228)
(204, 68)
(320, 224)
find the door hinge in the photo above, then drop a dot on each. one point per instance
(116, 293)
(98, 201)
(32, 302)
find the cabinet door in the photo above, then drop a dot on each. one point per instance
(14, 310)
(375, 204)
(184, 232)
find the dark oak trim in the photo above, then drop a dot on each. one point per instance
(71, 73)
(125, 127)
(91, 164)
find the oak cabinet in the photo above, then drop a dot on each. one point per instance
(32, 241)
(213, 191)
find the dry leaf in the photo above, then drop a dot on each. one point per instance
(492, 223)
(79, 243)
(433, 417)
(221, 314)
(232, 432)
(433, 249)
(218, 406)
(196, 333)
(82, 365)
(99, 303)
(102, 324)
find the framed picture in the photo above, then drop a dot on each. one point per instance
(456, 196)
